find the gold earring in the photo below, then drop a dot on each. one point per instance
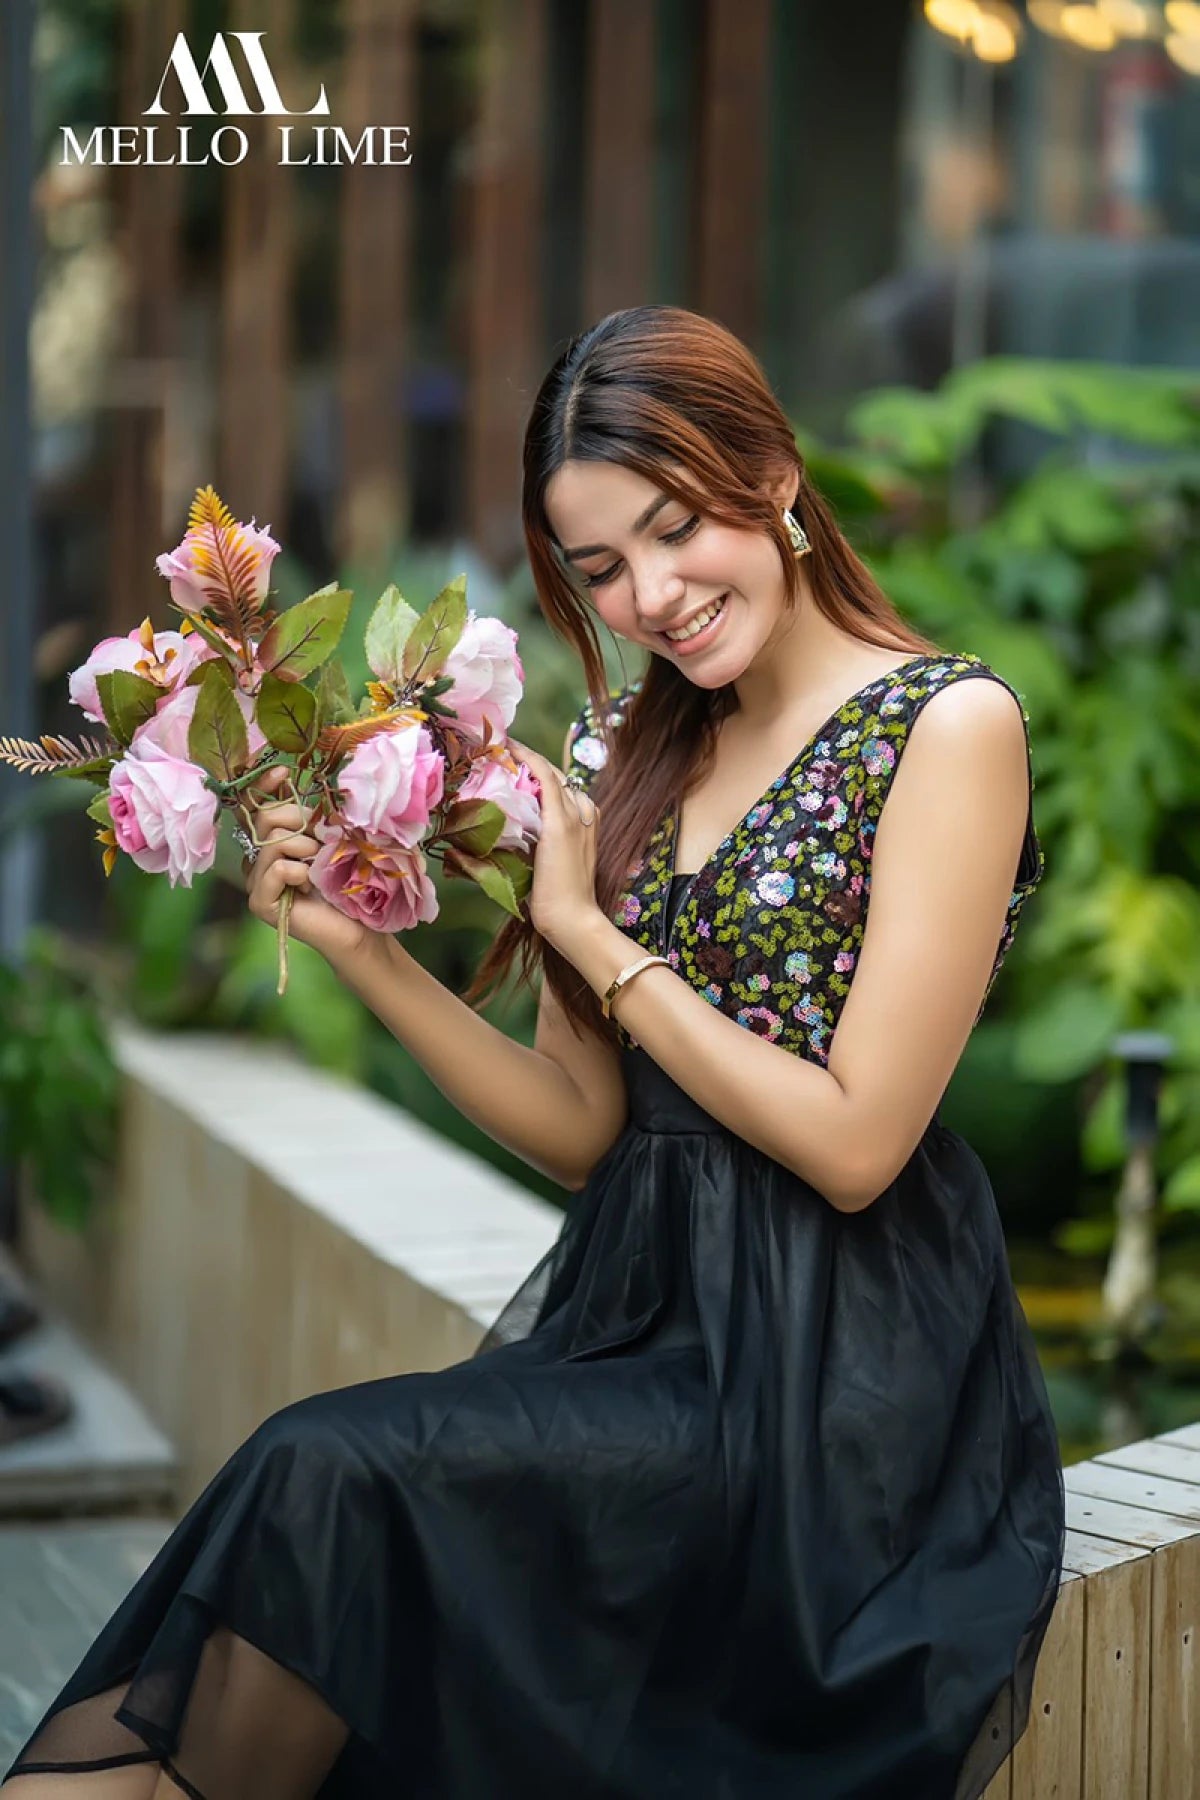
(796, 533)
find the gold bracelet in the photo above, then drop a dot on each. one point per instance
(627, 974)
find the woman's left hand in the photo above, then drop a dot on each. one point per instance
(562, 900)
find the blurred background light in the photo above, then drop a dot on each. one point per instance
(1184, 51)
(1131, 18)
(997, 34)
(1047, 15)
(1087, 27)
(1183, 16)
(956, 18)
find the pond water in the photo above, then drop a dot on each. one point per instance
(1099, 1405)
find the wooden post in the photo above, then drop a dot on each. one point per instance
(255, 295)
(149, 206)
(376, 216)
(732, 178)
(619, 157)
(504, 351)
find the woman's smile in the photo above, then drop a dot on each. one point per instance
(698, 639)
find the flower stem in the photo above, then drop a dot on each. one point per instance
(285, 907)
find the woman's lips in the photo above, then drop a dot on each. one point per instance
(700, 639)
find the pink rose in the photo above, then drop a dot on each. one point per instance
(487, 674)
(383, 886)
(171, 723)
(163, 815)
(391, 784)
(517, 796)
(174, 657)
(188, 582)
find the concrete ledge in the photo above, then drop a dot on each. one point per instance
(277, 1231)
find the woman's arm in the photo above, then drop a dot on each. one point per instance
(558, 1106)
(521, 1097)
(943, 866)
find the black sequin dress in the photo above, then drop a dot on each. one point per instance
(741, 1498)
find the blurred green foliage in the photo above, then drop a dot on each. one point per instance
(1078, 579)
(59, 1084)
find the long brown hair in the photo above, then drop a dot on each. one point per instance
(656, 389)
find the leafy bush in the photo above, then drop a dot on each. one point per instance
(1047, 517)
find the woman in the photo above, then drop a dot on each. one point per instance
(753, 1488)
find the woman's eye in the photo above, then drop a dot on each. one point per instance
(673, 537)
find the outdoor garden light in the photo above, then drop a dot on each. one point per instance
(1128, 1293)
(1183, 16)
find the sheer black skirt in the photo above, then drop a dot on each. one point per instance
(739, 1496)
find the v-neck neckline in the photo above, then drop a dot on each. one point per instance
(790, 768)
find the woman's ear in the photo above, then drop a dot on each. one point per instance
(785, 487)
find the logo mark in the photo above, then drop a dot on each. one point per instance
(220, 64)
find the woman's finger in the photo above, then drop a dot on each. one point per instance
(299, 844)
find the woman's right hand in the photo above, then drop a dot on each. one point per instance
(282, 863)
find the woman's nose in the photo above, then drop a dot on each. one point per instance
(660, 604)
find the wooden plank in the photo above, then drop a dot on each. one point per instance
(1175, 1690)
(1154, 1493)
(1154, 1457)
(1084, 1554)
(1048, 1758)
(1117, 1662)
(1129, 1524)
(1187, 1437)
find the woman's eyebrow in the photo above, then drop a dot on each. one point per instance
(639, 525)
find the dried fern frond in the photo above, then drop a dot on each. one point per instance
(226, 564)
(339, 740)
(50, 753)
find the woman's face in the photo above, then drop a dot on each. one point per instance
(644, 582)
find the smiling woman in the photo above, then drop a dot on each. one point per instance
(753, 1486)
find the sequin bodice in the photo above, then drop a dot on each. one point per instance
(770, 928)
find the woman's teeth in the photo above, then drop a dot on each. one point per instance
(695, 626)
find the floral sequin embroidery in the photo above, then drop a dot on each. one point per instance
(769, 930)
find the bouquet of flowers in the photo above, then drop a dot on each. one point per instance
(417, 766)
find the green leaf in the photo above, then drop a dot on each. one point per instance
(390, 627)
(304, 636)
(127, 701)
(491, 876)
(1182, 1190)
(219, 665)
(96, 771)
(286, 712)
(1067, 1035)
(436, 632)
(100, 810)
(334, 699)
(474, 825)
(1084, 1237)
(212, 638)
(518, 869)
(217, 737)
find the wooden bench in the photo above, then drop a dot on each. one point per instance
(1115, 1713)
